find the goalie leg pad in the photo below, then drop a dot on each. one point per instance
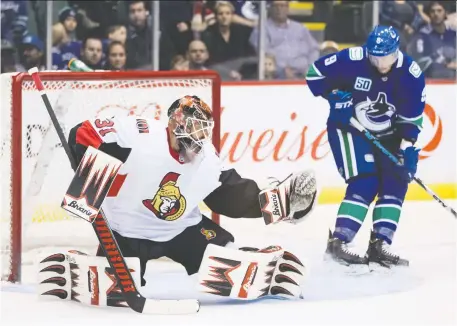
(54, 277)
(248, 275)
(82, 278)
(288, 275)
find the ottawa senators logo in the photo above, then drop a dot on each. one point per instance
(209, 234)
(168, 204)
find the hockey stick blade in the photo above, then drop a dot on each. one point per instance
(110, 246)
(395, 160)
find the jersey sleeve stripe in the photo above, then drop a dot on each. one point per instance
(314, 78)
(416, 121)
(116, 186)
(314, 73)
(87, 136)
(410, 119)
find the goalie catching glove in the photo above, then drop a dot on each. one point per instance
(291, 200)
(82, 278)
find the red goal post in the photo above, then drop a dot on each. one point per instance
(30, 149)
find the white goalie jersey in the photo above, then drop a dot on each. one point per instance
(156, 194)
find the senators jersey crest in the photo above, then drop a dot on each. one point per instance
(168, 203)
(209, 234)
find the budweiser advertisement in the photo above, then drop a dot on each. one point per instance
(271, 130)
(267, 129)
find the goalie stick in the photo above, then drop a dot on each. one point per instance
(107, 241)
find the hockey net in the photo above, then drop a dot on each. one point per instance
(35, 171)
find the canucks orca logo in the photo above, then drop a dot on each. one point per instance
(376, 116)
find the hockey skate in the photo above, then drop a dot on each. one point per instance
(337, 250)
(378, 252)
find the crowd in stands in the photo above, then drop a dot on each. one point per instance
(219, 35)
(428, 30)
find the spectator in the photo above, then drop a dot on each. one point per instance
(203, 17)
(290, 42)
(64, 31)
(420, 9)
(246, 13)
(139, 35)
(116, 56)
(435, 45)
(451, 21)
(92, 52)
(328, 47)
(197, 55)
(57, 61)
(95, 15)
(404, 16)
(139, 17)
(176, 14)
(175, 19)
(227, 41)
(451, 7)
(8, 59)
(139, 40)
(14, 21)
(179, 63)
(59, 36)
(271, 70)
(67, 17)
(64, 53)
(117, 33)
(64, 42)
(33, 53)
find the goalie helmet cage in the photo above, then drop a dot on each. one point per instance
(34, 169)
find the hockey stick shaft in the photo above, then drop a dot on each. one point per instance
(109, 244)
(39, 85)
(394, 159)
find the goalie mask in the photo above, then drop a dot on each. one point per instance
(194, 122)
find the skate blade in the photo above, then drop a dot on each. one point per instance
(341, 268)
(386, 268)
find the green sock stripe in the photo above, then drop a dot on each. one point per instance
(347, 154)
(391, 213)
(353, 210)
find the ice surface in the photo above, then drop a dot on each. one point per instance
(425, 293)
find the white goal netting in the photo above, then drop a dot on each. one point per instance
(35, 171)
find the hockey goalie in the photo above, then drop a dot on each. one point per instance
(153, 209)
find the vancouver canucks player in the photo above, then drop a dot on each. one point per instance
(384, 89)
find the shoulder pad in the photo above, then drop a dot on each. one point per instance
(412, 66)
(414, 69)
(356, 53)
